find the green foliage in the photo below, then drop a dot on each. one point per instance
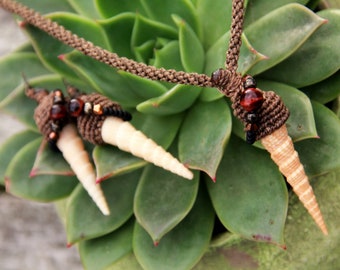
(290, 50)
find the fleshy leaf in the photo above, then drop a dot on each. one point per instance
(11, 146)
(256, 9)
(119, 193)
(118, 30)
(164, 11)
(176, 100)
(204, 134)
(112, 161)
(182, 247)
(317, 59)
(103, 78)
(301, 234)
(39, 188)
(101, 252)
(215, 57)
(214, 19)
(18, 63)
(324, 91)
(250, 195)
(127, 262)
(48, 5)
(49, 49)
(327, 147)
(48, 161)
(287, 27)
(109, 9)
(159, 190)
(146, 29)
(192, 53)
(168, 56)
(87, 8)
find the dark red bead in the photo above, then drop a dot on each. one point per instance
(58, 111)
(251, 99)
(75, 107)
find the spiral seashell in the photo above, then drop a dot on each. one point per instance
(281, 148)
(122, 134)
(72, 148)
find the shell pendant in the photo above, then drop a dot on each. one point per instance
(122, 134)
(281, 148)
(72, 148)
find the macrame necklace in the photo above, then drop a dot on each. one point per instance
(262, 113)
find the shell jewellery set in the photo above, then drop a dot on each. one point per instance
(66, 121)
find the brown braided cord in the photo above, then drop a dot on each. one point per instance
(42, 115)
(59, 32)
(235, 41)
(90, 125)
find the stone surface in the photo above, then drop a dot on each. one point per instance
(31, 234)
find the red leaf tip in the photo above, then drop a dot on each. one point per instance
(156, 243)
(69, 245)
(61, 57)
(33, 173)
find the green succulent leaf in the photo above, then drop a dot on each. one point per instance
(168, 56)
(163, 12)
(250, 195)
(127, 262)
(48, 161)
(20, 106)
(316, 59)
(40, 188)
(86, 8)
(18, 63)
(287, 27)
(324, 91)
(256, 9)
(101, 252)
(48, 5)
(103, 79)
(192, 53)
(146, 29)
(176, 100)
(182, 247)
(204, 134)
(119, 193)
(301, 234)
(162, 200)
(214, 19)
(327, 146)
(112, 161)
(11, 146)
(118, 31)
(109, 9)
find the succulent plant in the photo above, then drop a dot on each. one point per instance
(159, 220)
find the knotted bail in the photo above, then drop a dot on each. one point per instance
(90, 125)
(271, 115)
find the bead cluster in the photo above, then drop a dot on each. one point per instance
(251, 100)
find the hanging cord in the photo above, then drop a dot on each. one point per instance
(88, 48)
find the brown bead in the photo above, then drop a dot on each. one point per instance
(58, 111)
(251, 99)
(75, 107)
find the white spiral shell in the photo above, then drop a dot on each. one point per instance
(281, 148)
(122, 134)
(72, 148)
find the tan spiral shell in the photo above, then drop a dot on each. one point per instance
(72, 148)
(122, 134)
(281, 148)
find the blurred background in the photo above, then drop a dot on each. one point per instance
(31, 234)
